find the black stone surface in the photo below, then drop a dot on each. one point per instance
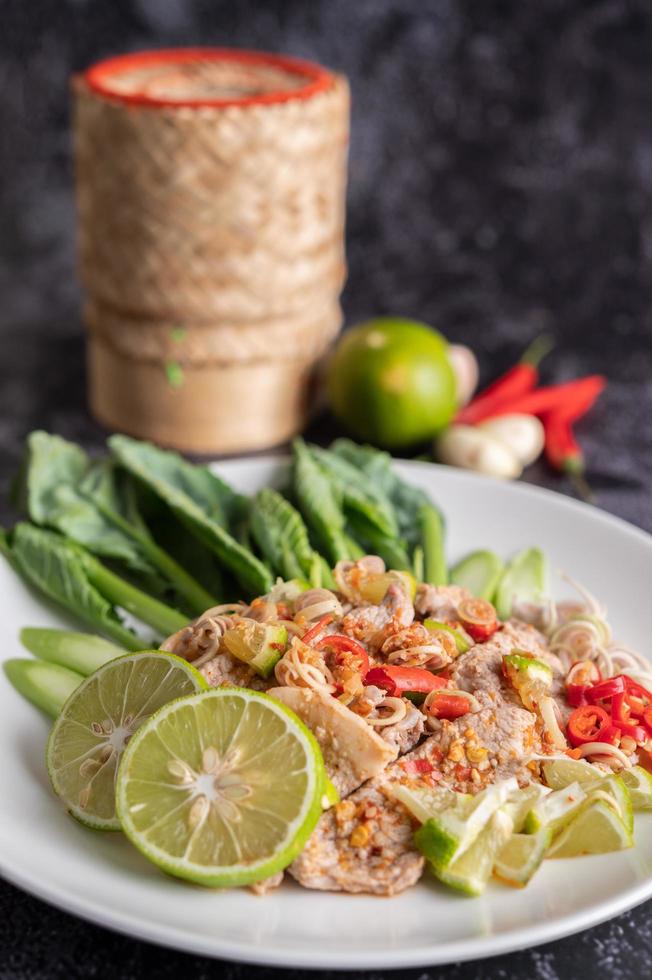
(500, 185)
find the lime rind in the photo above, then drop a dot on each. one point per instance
(555, 810)
(560, 773)
(615, 792)
(521, 857)
(235, 873)
(470, 872)
(72, 728)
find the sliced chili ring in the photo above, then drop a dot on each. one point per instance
(316, 628)
(478, 617)
(608, 688)
(586, 724)
(576, 695)
(345, 646)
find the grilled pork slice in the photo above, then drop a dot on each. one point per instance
(352, 750)
(372, 624)
(439, 601)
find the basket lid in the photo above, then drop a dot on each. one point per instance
(203, 77)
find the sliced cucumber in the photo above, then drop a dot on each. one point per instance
(46, 685)
(480, 572)
(81, 652)
(524, 580)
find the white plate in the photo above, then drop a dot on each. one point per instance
(100, 877)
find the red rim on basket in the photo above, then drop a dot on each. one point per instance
(99, 76)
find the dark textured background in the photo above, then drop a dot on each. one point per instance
(500, 185)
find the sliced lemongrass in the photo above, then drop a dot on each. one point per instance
(603, 749)
(398, 712)
(594, 606)
(319, 609)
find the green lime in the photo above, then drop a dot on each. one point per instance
(98, 719)
(555, 810)
(222, 788)
(521, 856)
(639, 783)
(470, 872)
(559, 773)
(596, 830)
(390, 382)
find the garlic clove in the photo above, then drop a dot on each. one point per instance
(465, 365)
(472, 448)
(523, 434)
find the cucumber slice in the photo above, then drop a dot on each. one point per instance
(480, 572)
(524, 579)
(46, 685)
(81, 652)
(260, 645)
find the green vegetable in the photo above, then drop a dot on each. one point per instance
(281, 535)
(81, 652)
(531, 678)
(432, 534)
(203, 502)
(48, 686)
(319, 503)
(94, 505)
(360, 496)
(435, 625)
(80, 583)
(480, 573)
(524, 580)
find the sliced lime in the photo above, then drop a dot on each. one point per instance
(596, 830)
(555, 810)
(425, 802)
(470, 872)
(222, 788)
(559, 773)
(449, 833)
(330, 796)
(522, 801)
(639, 783)
(97, 721)
(260, 645)
(520, 857)
(613, 790)
(530, 678)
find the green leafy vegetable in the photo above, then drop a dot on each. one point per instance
(203, 502)
(360, 496)
(79, 582)
(319, 503)
(432, 536)
(281, 535)
(94, 504)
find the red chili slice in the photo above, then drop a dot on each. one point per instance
(345, 646)
(402, 680)
(576, 695)
(586, 724)
(448, 706)
(608, 688)
(316, 628)
(478, 617)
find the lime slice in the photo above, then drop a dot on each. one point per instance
(596, 830)
(470, 872)
(330, 797)
(373, 588)
(97, 721)
(614, 791)
(260, 645)
(222, 788)
(560, 773)
(425, 802)
(521, 856)
(448, 834)
(555, 810)
(639, 783)
(530, 678)
(522, 801)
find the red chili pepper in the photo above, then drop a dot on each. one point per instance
(611, 734)
(647, 719)
(586, 724)
(515, 382)
(317, 628)
(399, 680)
(344, 645)
(478, 617)
(449, 706)
(633, 687)
(576, 695)
(608, 688)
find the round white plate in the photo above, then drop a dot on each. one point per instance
(102, 878)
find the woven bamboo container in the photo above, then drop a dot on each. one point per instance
(210, 190)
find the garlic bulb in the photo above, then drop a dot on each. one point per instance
(522, 433)
(465, 365)
(472, 448)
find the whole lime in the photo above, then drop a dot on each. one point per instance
(391, 383)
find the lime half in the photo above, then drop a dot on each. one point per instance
(97, 721)
(222, 788)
